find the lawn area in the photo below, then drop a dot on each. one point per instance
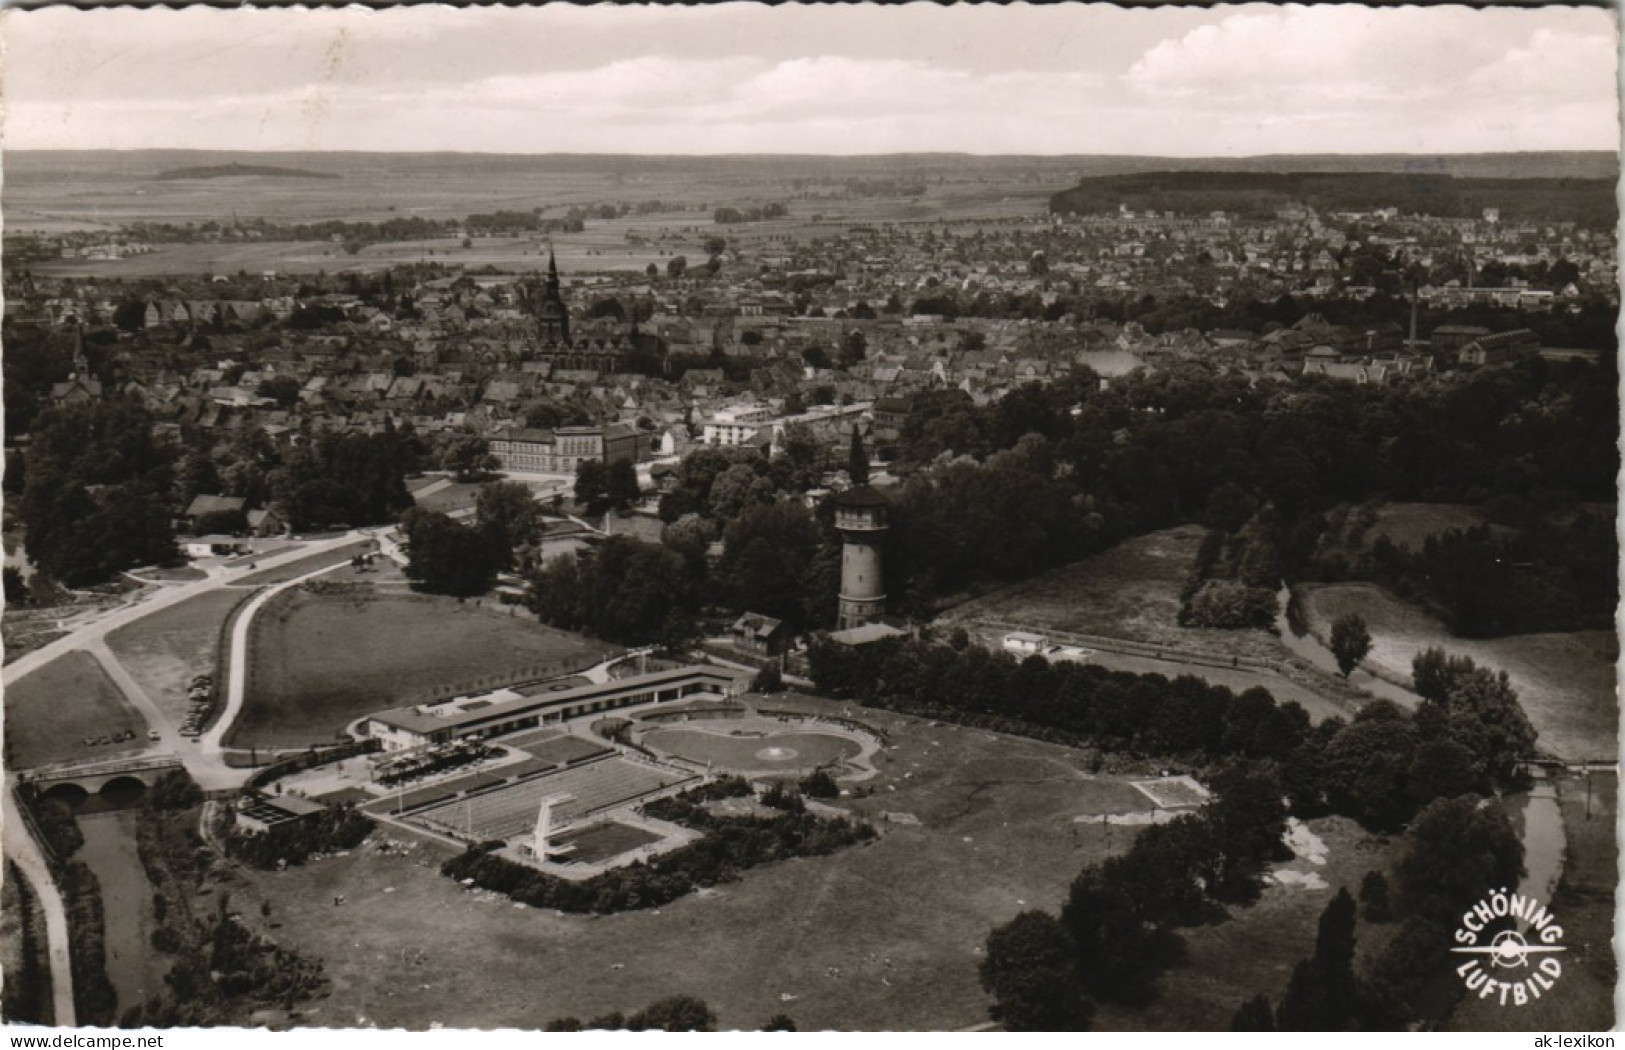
(1256, 949)
(455, 496)
(1565, 681)
(51, 711)
(876, 937)
(1410, 525)
(300, 566)
(166, 650)
(317, 662)
(1130, 591)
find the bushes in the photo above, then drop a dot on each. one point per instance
(334, 829)
(728, 846)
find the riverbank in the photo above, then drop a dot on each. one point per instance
(1565, 682)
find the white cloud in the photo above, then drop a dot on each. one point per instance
(747, 78)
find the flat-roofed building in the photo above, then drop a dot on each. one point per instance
(436, 723)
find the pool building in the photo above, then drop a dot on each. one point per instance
(476, 717)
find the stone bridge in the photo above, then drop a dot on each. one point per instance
(115, 781)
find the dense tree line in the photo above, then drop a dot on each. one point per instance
(1469, 734)
(96, 499)
(1048, 474)
(728, 845)
(1588, 202)
(343, 480)
(677, 1013)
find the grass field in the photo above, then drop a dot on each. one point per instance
(50, 711)
(318, 662)
(1410, 525)
(455, 496)
(878, 937)
(1256, 949)
(1565, 682)
(1131, 592)
(166, 650)
(300, 566)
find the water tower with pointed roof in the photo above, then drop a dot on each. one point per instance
(860, 515)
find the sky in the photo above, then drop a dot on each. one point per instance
(843, 79)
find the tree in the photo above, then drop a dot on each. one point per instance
(1254, 1015)
(508, 516)
(736, 488)
(779, 1023)
(857, 460)
(467, 455)
(1351, 642)
(1320, 997)
(621, 484)
(283, 389)
(1458, 850)
(592, 484)
(446, 556)
(679, 1013)
(1376, 902)
(677, 267)
(1030, 971)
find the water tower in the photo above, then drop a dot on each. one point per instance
(860, 516)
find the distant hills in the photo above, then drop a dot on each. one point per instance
(227, 171)
(1063, 170)
(1588, 201)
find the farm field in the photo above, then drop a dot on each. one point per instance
(51, 711)
(165, 651)
(299, 567)
(318, 662)
(878, 937)
(1565, 682)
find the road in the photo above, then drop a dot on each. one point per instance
(21, 848)
(237, 665)
(204, 762)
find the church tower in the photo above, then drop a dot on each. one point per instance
(552, 316)
(860, 516)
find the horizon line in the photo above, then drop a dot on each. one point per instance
(831, 156)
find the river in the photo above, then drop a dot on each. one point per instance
(135, 968)
(1296, 636)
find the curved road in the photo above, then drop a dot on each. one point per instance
(205, 764)
(21, 848)
(237, 664)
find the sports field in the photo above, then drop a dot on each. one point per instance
(874, 938)
(165, 651)
(51, 712)
(316, 662)
(601, 842)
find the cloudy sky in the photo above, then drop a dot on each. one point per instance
(740, 78)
